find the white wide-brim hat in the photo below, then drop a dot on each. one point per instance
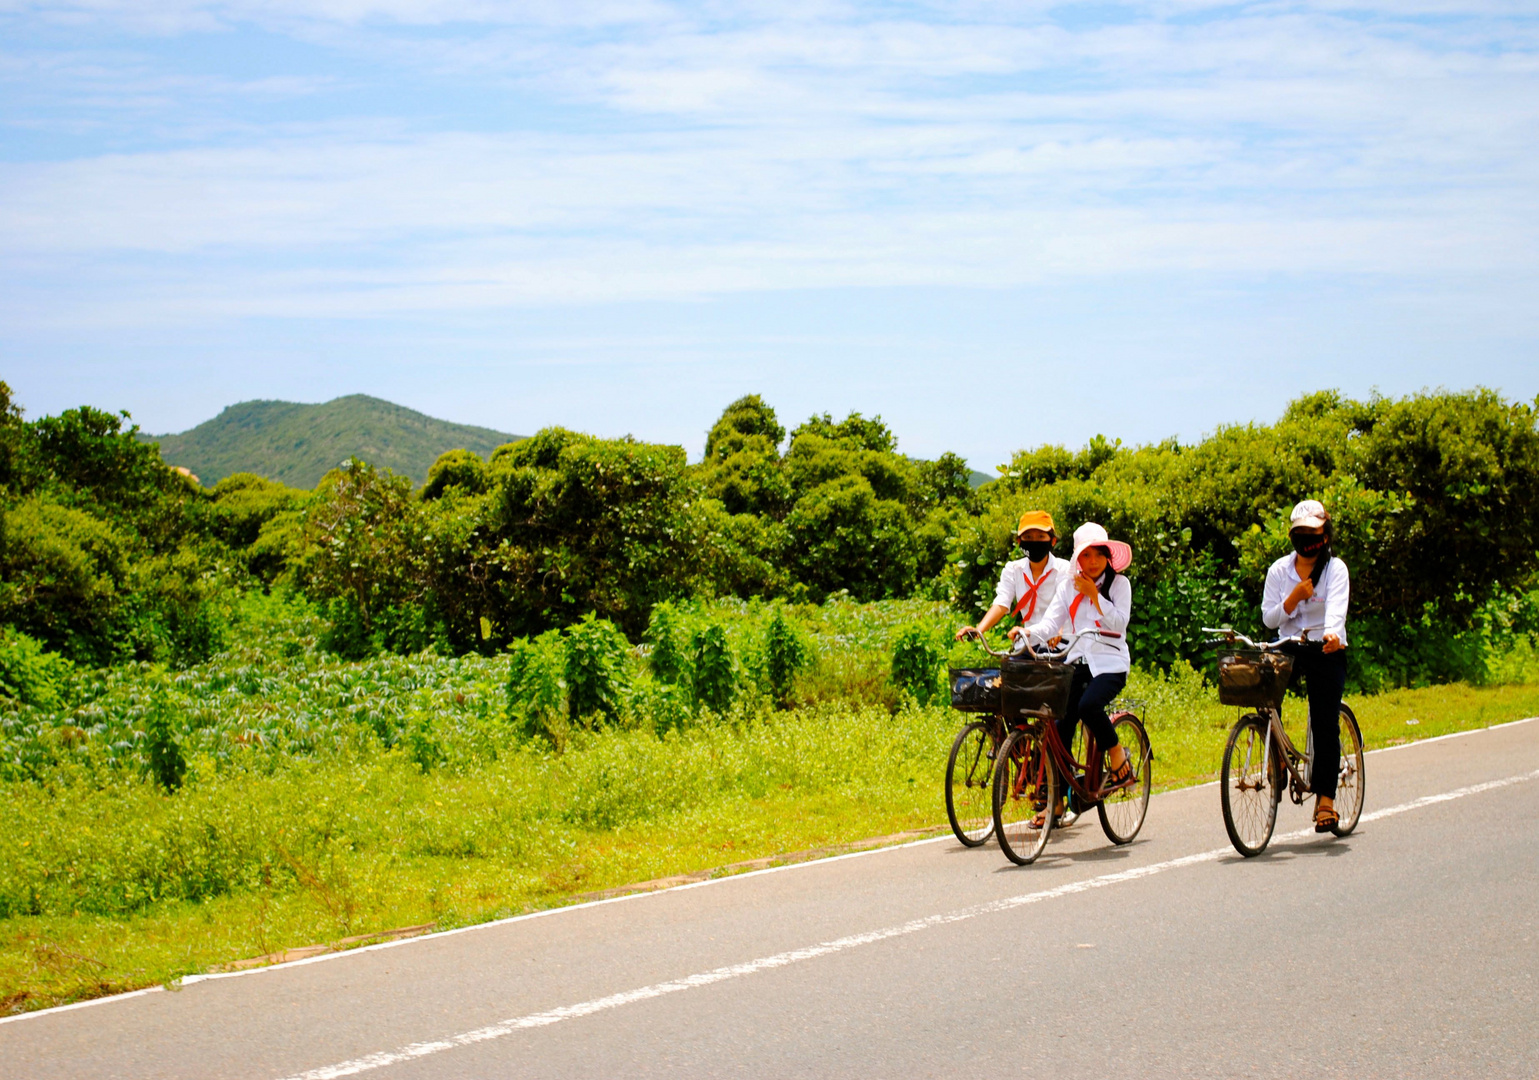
(1091, 535)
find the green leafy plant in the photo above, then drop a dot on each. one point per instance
(785, 654)
(916, 663)
(536, 689)
(714, 668)
(30, 675)
(666, 633)
(167, 763)
(595, 677)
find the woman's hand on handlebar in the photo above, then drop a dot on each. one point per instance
(967, 632)
(1332, 643)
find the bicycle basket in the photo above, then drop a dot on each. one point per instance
(975, 689)
(1253, 678)
(1035, 685)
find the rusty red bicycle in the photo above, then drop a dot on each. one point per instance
(1031, 766)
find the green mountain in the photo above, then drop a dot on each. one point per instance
(298, 444)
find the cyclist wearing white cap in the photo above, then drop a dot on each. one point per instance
(1308, 592)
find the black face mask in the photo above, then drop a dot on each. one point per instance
(1309, 545)
(1036, 550)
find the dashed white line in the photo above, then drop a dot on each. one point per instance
(707, 978)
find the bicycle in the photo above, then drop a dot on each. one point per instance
(1028, 762)
(1259, 758)
(970, 769)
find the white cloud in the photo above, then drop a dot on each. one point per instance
(788, 147)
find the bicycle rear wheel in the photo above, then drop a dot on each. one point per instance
(1024, 783)
(1352, 781)
(1123, 811)
(1248, 786)
(969, 783)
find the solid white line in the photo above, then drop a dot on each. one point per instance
(188, 980)
(707, 978)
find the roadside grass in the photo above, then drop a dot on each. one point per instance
(300, 825)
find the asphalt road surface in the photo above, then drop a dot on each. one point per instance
(1409, 949)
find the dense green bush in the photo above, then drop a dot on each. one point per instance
(461, 470)
(536, 687)
(595, 670)
(666, 633)
(714, 669)
(30, 675)
(786, 654)
(584, 524)
(916, 663)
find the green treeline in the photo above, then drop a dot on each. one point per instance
(107, 555)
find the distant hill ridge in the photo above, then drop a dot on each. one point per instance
(298, 444)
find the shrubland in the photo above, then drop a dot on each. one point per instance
(245, 718)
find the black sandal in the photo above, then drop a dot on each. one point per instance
(1120, 777)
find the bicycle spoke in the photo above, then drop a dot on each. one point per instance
(1247, 786)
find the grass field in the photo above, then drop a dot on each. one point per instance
(298, 824)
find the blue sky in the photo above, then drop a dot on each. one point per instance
(994, 224)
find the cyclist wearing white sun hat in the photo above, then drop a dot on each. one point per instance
(1308, 592)
(1100, 599)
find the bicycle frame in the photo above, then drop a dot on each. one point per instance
(1298, 787)
(1046, 723)
(1090, 790)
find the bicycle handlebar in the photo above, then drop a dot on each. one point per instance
(1023, 645)
(1233, 636)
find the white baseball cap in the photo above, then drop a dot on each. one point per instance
(1309, 514)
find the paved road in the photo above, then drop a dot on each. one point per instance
(1408, 949)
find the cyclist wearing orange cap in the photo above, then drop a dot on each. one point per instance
(1027, 586)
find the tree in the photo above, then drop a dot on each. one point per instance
(582, 524)
(362, 536)
(746, 418)
(742, 460)
(841, 536)
(457, 470)
(1468, 465)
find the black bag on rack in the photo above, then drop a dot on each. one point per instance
(975, 689)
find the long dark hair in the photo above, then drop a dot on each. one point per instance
(1109, 574)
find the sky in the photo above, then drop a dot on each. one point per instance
(994, 224)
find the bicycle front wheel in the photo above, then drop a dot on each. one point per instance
(969, 780)
(1248, 786)
(1025, 784)
(1123, 811)
(1351, 781)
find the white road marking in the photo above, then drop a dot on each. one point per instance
(707, 978)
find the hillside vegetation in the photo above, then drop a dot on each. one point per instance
(247, 717)
(298, 444)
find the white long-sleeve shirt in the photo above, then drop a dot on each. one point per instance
(1323, 613)
(1016, 581)
(1102, 654)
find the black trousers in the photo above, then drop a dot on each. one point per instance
(1325, 677)
(1088, 698)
